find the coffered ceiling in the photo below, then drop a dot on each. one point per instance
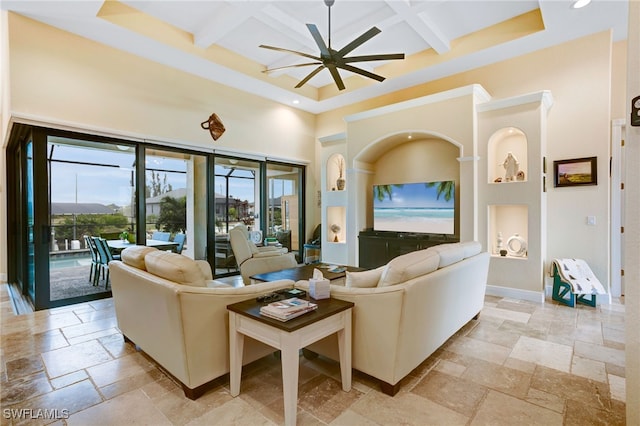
(218, 40)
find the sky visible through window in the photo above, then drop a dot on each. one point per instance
(91, 172)
(89, 175)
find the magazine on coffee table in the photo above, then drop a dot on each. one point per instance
(284, 310)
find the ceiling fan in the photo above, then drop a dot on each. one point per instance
(334, 59)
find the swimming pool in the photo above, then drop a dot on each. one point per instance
(69, 263)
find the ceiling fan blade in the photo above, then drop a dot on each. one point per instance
(324, 51)
(367, 58)
(358, 41)
(309, 77)
(295, 52)
(306, 64)
(362, 72)
(336, 76)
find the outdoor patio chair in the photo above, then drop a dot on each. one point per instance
(180, 239)
(105, 256)
(93, 250)
(161, 236)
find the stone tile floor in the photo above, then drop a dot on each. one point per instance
(521, 363)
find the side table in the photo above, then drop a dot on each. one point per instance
(332, 316)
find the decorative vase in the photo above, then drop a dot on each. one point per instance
(340, 182)
(517, 246)
(335, 228)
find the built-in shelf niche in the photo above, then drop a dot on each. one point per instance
(501, 143)
(336, 171)
(336, 215)
(508, 220)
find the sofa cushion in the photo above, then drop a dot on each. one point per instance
(134, 256)
(175, 267)
(449, 253)
(253, 247)
(471, 248)
(409, 266)
(363, 279)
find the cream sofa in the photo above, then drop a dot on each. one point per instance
(170, 308)
(407, 309)
(254, 260)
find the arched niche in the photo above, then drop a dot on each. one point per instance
(336, 170)
(505, 141)
(411, 154)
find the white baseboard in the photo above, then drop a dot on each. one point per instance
(534, 296)
(514, 293)
(3, 277)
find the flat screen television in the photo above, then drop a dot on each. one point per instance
(425, 207)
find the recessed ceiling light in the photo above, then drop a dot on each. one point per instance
(580, 3)
(295, 102)
(409, 137)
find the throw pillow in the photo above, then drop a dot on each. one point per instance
(450, 253)
(408, 266)
(134, 256)
(175, 267)
(363, 279)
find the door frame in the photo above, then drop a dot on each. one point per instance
(617, 207)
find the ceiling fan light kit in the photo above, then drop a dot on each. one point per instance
(336, 59)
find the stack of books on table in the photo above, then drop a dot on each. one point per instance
(284, 310)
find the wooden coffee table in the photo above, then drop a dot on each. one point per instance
(331, 316)
(304, 272)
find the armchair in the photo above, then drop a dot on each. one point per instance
(254, 260)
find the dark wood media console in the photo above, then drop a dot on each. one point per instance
(376, 248)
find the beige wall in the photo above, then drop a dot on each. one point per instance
(619, 80)
(60, 76)
(418, 161)
(4, 122)
(578, 126)
(632, 224)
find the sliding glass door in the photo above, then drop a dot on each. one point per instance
(285, 209)
(92, 194)
(175, 199)
(21, 232)
(70, 187)
(264, 196)
(237, 201)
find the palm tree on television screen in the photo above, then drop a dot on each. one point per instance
(380, 192)
(446, 187)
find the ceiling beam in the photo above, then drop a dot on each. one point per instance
(422, 25)
(222, 22)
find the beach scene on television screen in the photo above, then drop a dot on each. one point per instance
(425, 207)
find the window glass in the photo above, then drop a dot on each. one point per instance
(92, 194)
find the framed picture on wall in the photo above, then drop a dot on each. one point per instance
(576, 172)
